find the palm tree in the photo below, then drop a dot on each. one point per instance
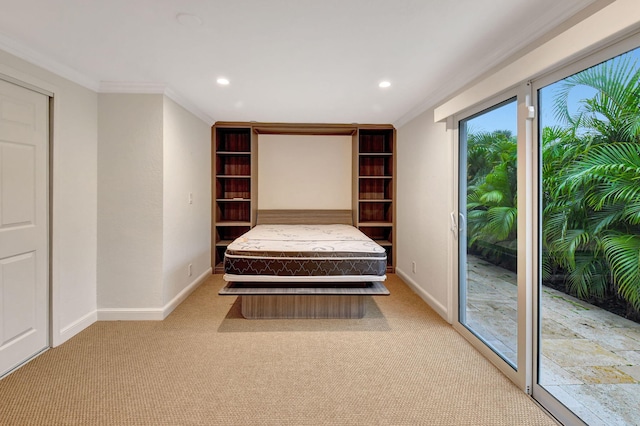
(591, 184)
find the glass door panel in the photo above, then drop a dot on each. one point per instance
(488, 252)
(588, 355)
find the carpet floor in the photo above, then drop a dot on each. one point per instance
(401, 364)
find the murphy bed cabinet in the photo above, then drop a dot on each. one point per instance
(235, 147)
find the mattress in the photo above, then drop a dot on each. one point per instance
(307, 253)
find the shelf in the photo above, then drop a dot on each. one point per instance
(384, 243)
(233, 164)
(224, 234)
(236, 200)
(375, 189)
(232, 223)
(375, 165)
(375, 140)
(230, 187)
(376, 154)
(233, 152)
(376, 177)
(375, 200)
(233, 139)
(375, 224)
(233, 176)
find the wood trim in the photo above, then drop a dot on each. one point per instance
(294, 128)
(304, 217)
(373, 288)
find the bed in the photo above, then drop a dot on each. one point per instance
(304, 264)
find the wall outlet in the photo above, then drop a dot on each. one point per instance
(191, 198)
(190, 269)
(413, 267)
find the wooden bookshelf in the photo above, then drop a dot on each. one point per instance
(233, 183)
(376, 186)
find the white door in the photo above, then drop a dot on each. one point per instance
(24, 256)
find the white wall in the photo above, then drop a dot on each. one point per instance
(304, 172)
(187, 227)
(152, 153)
(424, 202)
(74, 197)
(130, 205)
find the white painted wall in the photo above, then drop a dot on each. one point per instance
(186, 227)
(304, 172)
(130, 205)
(74, 196)
(424, 202)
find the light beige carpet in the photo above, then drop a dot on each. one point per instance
(206, 365)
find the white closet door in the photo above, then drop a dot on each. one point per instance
(24, 257)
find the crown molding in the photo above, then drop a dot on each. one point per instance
(144, 88)
(186, 104)
(21, 51)
(133, 87)
(25, 53)
(537, 30)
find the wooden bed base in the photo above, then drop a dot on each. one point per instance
(317, 306)
(322, 300)
(304, 300)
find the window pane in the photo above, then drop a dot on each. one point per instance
(590, 230)
(488, 244)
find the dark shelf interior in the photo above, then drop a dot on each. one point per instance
(375, 141)
(233, 140)
(375, 189)
(375, 165)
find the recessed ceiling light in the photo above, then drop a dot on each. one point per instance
(384, 84)
(222, 81)
(188, 20)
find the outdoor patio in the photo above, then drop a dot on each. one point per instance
(590, 357)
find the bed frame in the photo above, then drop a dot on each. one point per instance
(304, 300)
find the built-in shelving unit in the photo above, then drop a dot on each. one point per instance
(376, 186)
(233, 181)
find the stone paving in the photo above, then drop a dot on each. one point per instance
(590, 358)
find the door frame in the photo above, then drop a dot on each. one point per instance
(521, 375)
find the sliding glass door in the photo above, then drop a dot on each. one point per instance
(548, 220)
(488, 230)
(588, 293)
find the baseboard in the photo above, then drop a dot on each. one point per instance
(130, 314)
(434, 304)
(151, 314)
(169, 307)
(74, 328)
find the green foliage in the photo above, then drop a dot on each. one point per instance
(491, 187)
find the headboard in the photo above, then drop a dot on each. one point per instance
(304, 217)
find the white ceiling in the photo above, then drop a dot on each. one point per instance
(314, 61)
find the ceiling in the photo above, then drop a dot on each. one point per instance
(309, 61)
